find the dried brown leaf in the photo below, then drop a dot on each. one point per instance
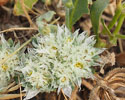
(111, 8)
(120, 59)
(109, 58)
(86, 25)
(114, 73)
(2, 2)
(112, 87)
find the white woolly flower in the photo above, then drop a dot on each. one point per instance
(7, 68)
(60, 60)
(36, 73)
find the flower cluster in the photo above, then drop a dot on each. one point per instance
(59, 61)
(7, 68)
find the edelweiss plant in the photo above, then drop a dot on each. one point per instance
(7, 68)
(59, 61)
(36, 76)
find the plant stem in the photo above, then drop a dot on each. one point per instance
(106, 29)
(117, 29)
(119, 25)
(26, 13)
(120, 36)
(115, 18)
(64, 94)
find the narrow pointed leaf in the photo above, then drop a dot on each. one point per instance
(95, 13)
(73, 14)
(18, 7)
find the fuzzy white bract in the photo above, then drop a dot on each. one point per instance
(7, 68)
(36, 76)
(60, 60)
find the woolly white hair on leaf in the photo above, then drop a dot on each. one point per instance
(30, 94)
(61, 59)
(7, 69)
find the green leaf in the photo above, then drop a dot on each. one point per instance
(47, 16)
(10, 41)
(45, 28)
(95, 13)
(80, 7)
(18, 10)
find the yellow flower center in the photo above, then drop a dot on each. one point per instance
(63, 79)
(79, 65)
(86, 51)
(92, 53)
(68, 39)
(29, 73)
(7, 53)
(37, 86)
(4, 67)
(54, 48)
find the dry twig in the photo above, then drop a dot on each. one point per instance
(64, 94)
(26, 13)
(17, 29)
